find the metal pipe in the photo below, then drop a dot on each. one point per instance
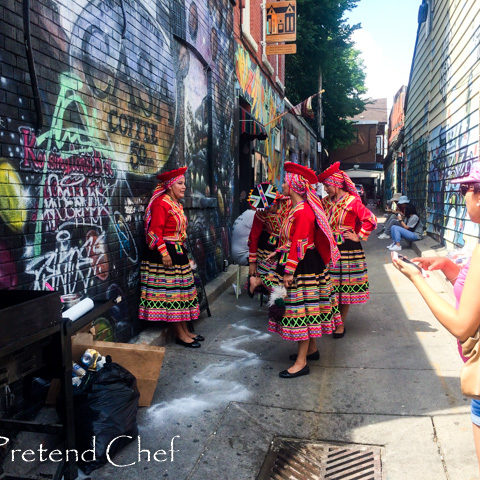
(31, 66)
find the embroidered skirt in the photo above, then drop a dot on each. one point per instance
(349, 276)
(311, 308)
(266, 245)
(168, 294)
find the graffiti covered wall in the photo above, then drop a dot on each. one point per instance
(442, 120)
(266, 105)
(300, 141)
(127, 89)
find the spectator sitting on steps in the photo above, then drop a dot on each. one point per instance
(410, 228)
(394, 207)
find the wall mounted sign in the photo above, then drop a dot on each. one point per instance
(281, 21)
(283, 49)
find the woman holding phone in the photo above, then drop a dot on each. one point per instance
(463, 320)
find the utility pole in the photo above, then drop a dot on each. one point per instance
(319, 120)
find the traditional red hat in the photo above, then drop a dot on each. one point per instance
(305, 172)
(165, 176)
(329, 171)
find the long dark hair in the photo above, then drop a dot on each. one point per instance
(410, 209)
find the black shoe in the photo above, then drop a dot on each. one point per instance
(199, 338)
(193, 344)
(310, 356)
(286, 374)
(339, 335)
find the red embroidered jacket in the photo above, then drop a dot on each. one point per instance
(168, 224)
(349, 213)
(298, 234)
(270, 221)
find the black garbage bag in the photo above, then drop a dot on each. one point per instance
(106, 404)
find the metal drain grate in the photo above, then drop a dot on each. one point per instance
(290, 459)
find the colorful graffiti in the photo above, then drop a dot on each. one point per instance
(123, 99)
(266, 105)
(453, 147)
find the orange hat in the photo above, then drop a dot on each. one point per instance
(165, 176)
(305, 172)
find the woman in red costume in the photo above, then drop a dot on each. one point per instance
(271, 209)
(351, 222)
(306, 247)
(168, 292)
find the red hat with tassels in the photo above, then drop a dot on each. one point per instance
(329, 171)
(166, 176)
(305, 172)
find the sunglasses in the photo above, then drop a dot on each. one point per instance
(466, 187)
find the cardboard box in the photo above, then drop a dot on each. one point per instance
(143, 361)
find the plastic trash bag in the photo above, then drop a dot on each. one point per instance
(240, 233)
(106, 405)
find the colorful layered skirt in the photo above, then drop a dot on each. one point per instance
(311, 307)
(349, 275)
(267, 243)
(168, 294)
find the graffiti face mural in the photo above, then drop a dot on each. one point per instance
(122, 100)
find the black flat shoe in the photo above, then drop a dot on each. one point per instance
(310, 356)
(199, 338)
(339, 335)
(194, 344)
(286, 374)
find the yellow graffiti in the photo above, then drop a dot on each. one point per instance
(13, 207)
(265, 103)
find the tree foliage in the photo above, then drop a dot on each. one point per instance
(324, 45)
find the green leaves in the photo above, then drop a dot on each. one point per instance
(324, 46)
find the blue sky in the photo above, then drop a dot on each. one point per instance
(386, 40)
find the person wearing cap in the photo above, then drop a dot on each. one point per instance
(351, 221)
(270, 209)
(305, 248)
(463, 320)
(409, 226)
(393, 209)
(168, 292)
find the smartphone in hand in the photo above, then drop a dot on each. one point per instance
(403, 258)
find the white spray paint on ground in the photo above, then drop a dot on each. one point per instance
(212, 386)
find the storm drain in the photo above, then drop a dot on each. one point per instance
(290, 459)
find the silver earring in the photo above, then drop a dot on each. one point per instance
(478, 204)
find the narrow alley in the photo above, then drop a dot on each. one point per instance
(392, 382)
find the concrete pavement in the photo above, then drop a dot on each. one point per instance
(392, 381)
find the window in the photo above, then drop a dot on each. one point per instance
(276, 136)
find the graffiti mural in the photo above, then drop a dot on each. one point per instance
(122, 99)
(453, 147)
(266, 105)
(417, 175)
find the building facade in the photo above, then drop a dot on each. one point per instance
(269, 135)
(442, 116)
(364, 156)
(394, 166)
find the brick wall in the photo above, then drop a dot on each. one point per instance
(256, 31)
(126, 89)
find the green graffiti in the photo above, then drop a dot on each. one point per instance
(74, 139)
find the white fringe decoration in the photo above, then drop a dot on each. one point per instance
(279, 291)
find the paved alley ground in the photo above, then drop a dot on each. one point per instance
(392, 381)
